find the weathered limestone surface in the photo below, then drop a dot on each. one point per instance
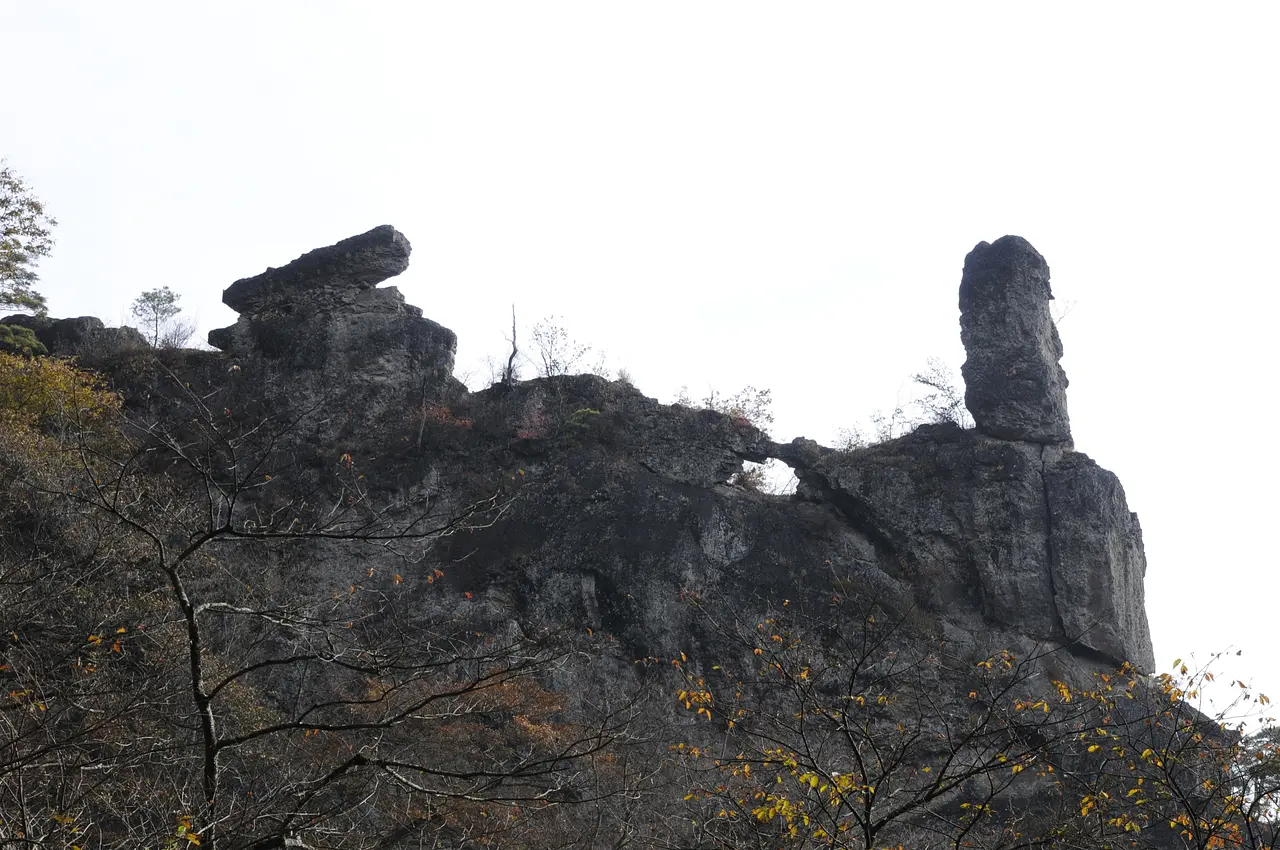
(1014, 385)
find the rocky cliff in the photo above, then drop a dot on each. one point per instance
(1003, 527)
(911, 575)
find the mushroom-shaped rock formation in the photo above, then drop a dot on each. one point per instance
(320, 325)
(1014, 385)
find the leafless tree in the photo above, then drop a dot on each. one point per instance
(555, 352)
(938, 397)
(218, 699)
(842, 728)
(510, 372)
(177, 333)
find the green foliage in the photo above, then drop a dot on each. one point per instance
(15, 339)
(581, 418)
(24, 238)
(156, 308)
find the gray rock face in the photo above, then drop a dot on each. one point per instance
(1004, 526)
(1098, 560)
(319, 328)
(616, 511)
(1014, 385)
(993, 532)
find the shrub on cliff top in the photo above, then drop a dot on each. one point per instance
(16, 339)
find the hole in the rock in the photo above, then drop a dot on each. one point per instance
(773, 478)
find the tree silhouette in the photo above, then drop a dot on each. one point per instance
(25, 237)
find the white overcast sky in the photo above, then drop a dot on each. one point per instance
(721, 194)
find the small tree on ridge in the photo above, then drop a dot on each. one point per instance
(156, 308)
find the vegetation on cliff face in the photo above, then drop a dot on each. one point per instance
(167, 680)
(309, 591)
(20, 340)
(179, 669)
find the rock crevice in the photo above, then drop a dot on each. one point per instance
(1050, 556)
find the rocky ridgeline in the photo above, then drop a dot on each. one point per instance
(1000, 535)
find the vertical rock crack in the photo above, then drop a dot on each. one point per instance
(1050, 555)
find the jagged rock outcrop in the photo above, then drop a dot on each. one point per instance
(1030, 538)
(1004, 527)
(334, 275)
(1014, 385)
(323, 332)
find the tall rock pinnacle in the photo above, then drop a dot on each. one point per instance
(1014, 385)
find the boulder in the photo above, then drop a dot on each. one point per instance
(335, 273)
